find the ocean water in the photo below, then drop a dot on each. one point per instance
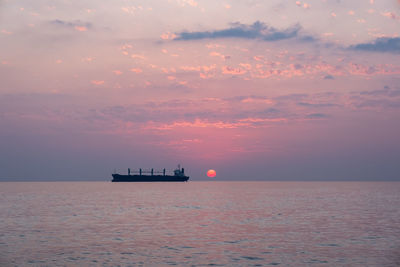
(200, 224)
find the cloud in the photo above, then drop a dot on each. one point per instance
(97, 82)
(76, 25)
(187, 2)
(137, 70)
(257, 30)
(131, 9)
(292, 97)
(386, 91)
(117, 72)
(233, 71)
(316, 105)
(317, 116)
(389, 45)
(6, 32)
(377, 99)
(80, 28)
(329, 77)
(168, 36)
(378, 103)
(391, 15)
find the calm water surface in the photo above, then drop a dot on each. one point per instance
(200, 224)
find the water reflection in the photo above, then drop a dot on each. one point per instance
(199, 224)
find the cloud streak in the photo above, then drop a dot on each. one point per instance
(389, 45)
(257, 30)
(77, 24)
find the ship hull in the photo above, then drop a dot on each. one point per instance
(149, 178)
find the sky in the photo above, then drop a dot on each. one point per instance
(257, 90)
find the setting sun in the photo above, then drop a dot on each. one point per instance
(211, 173)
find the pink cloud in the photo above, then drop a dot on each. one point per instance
(233, 71)
(390, 15)
(204, 68)
(196, 124)
(80, 28)
(136, 70)
(381, 69)
(117, 72)
(165, 70)
(253, 100)
(126, 47)
(190, 68)
(168, 36)
(214, 46)
(97, 82)
(6, 32)
(305, 5)
(131, 9)
(257, 120)
(208, 68)
(135, 56)
(277, 69)
(245, 65)
(206, 75)
(87, 59)
(188, 2)
(258, 58)
(216, 54)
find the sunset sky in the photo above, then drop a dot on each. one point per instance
(275, 90)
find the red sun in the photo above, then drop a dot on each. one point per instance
(211, 173)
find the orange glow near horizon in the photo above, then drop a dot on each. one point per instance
(211, 173)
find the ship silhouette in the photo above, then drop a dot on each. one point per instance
(142, 175)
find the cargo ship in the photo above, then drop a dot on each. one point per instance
(151, 176)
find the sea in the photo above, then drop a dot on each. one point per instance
(210, 223)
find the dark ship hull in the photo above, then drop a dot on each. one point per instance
(148, 178)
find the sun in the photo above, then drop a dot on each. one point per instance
(211, 173)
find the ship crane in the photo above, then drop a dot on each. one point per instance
(146, 171)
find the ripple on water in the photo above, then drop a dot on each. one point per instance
(188, 247)
(246, 224)
(171, 248)
(329, 245)
(317, 261)
(235, 241)
(252, 258)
